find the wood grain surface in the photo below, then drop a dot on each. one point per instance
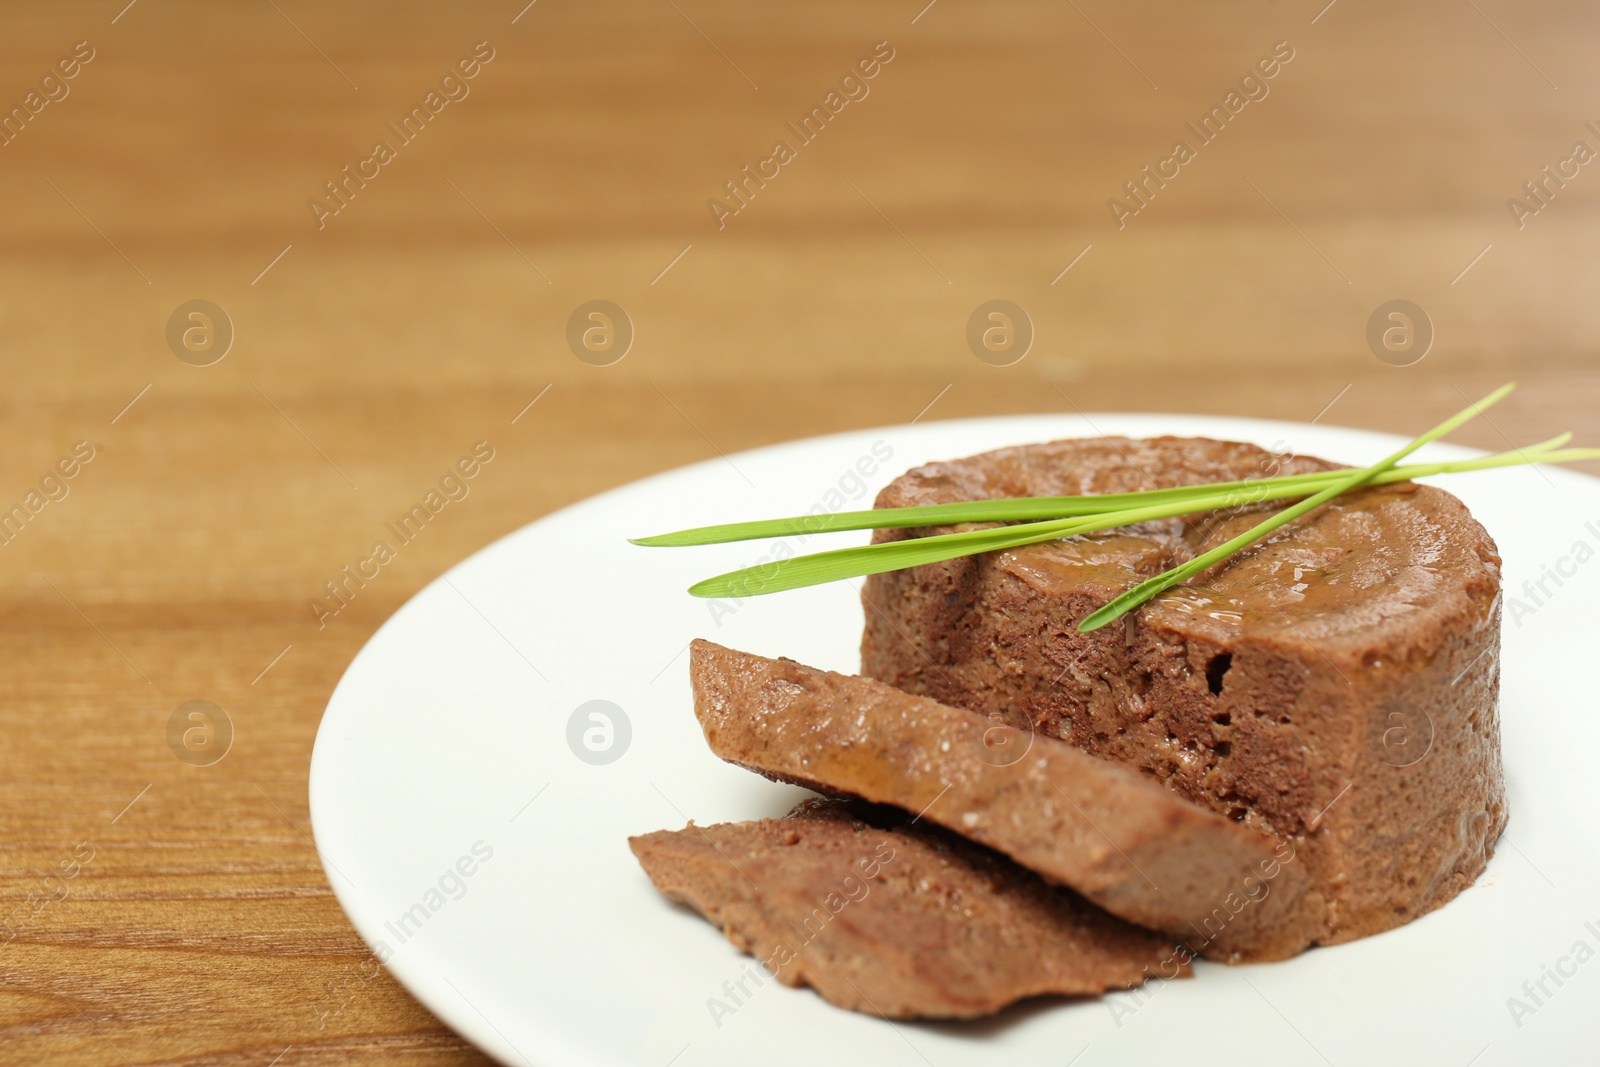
(173, 910)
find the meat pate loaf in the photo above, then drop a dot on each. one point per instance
(1334, 684)
(1135, 848)
(896, 920)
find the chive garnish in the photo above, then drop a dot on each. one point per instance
(1148, 588)
(1034, 519)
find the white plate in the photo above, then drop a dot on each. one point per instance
(557, 951)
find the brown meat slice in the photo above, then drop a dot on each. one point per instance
(1334, 684)
(1130, 845)
(896, 920)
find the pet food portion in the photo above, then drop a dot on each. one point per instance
(1335, 684)
(896, 920)
(1127, 843)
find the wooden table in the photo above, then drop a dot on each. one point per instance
(172, 910)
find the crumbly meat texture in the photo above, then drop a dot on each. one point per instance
(896, 920)
(1131, 846)
(1335, 684)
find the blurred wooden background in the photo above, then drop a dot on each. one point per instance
(424, 316)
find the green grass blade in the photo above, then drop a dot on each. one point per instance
(1019, 509)
(1005, 509)
(823, 567)
(859, 561)
(1151, 587)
